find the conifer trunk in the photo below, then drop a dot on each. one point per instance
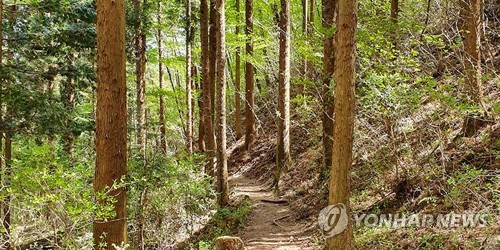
(329, 15)
(111, 121)
(8, 131)
(189, 95)
(345, 79)
(140, 71)
(68, 99)
(207, 85)
(283, 155)
(163, 129)
(237, 84)
(472, 43)
(250, 129)
(222, 173)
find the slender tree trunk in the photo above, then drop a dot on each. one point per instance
(163, 129)
(283, 156)
(345, 79)
(68, 97)
(2, 239)
(305, 32)
(311, 16)
(140, 71)
(222, 174)
(472, 43)
(111, 121)
(212, 55)
(250, 129)
(201, 121)
(208, 90)
(189, 95)
(394, 11)
(8, 130)
(329, 15)
(237, 84)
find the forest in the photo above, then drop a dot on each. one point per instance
(249, 124)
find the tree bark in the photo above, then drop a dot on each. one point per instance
(311, 16)
(250, 129)
(163, 129)
(206, 86)
(213, 55)
(1, 106)
(189, 95)
(329, 16)
(111, 121)
(140, 71)
(237, 84)
(201, 122)
(283, 155)
(222, 174)
(8, 130)
(345, 79)
(68, 100)
(472, 43)
(394, 11)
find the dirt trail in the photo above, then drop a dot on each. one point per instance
(271, 225)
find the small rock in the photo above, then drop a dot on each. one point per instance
(229, 243)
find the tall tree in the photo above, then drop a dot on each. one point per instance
(140, 71)
(237, 84)
(329, 15)
(222, 174)
(206, 85)
(159, 41)
(9, 132)
(472, 41)
(283, 159)
(189, 94)
(345, 79)
(250, 129)
(111, 122)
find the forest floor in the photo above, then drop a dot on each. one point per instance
(271, 224)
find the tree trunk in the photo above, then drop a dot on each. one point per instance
(283, 157)
(111, 121)
(189, 95)
(2, 240)
(237, 84)
(213, 56)
(311, 17)
(140, 71)
(250, 129)
(206, 86)
(345, 79)
(222, 174)
(472, 43)
(201, 122)
(394, 11)
(329, 15)
(8, 130)
(68, 100)
(163, 129)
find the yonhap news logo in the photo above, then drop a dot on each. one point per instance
(333, 219)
